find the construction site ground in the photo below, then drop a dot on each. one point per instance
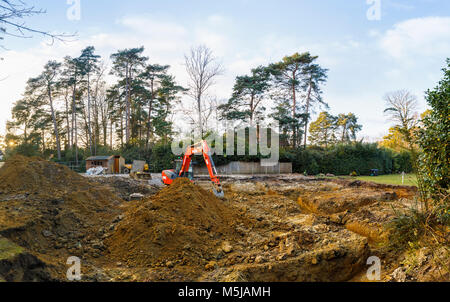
(268, 228)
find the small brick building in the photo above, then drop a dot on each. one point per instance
(114, 164)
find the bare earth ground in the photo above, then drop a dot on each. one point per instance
(286, 228)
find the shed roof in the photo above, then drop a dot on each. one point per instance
(100, 157)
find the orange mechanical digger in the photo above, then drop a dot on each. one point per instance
(168, 176)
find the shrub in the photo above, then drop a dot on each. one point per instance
(434, 139)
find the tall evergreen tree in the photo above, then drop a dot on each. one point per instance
(127, 65)
(152, 75)
(89, 64)
(348, 123)
(288, 79)
(46, 86)
(167, 96)
(248, 93)
(313, 76)
(72, 77)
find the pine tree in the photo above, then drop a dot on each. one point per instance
(89, 64)
(168, 94)
(127, 65)
(46, 86)
(349, 127)
(248, 93)
(72, 78)
(322, 131)
(313, 76)
(152, 75)
(287, 79)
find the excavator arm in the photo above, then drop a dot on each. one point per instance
(202, 148)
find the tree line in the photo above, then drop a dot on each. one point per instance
(294, 88)
(71, 106)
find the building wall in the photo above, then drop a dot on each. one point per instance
(246, 168)
(109, 164)
(110, 167)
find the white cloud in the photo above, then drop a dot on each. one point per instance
(349, 60)
(165, 42)
(428, 36)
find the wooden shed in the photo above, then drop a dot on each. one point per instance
(114, 164)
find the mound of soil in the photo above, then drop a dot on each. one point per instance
(52, 212)
(182, 224)
(34, 175)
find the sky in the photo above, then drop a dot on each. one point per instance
(371, 47)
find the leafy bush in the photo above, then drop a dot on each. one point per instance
(434, 139)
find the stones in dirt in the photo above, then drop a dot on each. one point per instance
(337, 261)
(211, 265)
(399, 275)
(47, 233)
(136, 196)
(227, 247)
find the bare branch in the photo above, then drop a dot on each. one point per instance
(202, 68)
(11, 10)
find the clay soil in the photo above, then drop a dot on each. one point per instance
(289, 228)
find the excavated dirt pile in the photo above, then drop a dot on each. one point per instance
(181, 225)
(50, 213)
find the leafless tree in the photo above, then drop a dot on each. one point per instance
(401, 108)
(203, 69)
(12, 12)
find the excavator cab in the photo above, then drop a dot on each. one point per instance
(189, 174)
(168, 176)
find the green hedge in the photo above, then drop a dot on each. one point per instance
(337, 160)
(344, 159)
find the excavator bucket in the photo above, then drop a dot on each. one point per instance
(219, 194)
(217, 190)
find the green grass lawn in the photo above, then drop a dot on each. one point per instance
(394, 179)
